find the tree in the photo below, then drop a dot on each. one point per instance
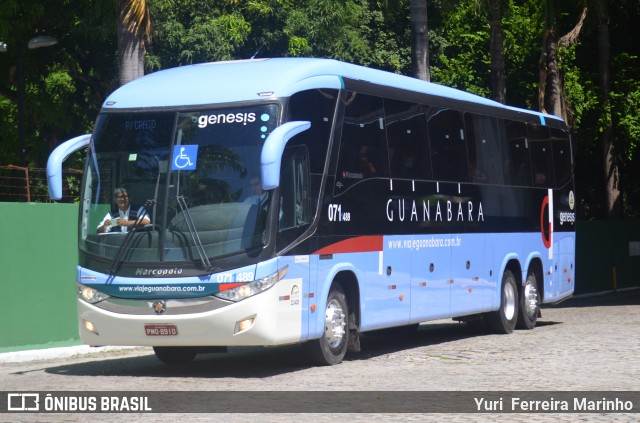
(551, 93)
(420, 40)
(496, 47)
(458, 55)
(613, 198)
(65, 83)
(134, 30)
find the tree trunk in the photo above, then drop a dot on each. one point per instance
(498, 78)
(550, 89)
(420, 40)
(551, 94)
(130, 51)
(613, 198)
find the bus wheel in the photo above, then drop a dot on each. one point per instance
(504, 319)
(175, 355)
(529, 303)
(332, 345)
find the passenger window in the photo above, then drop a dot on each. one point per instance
(406, 125)
(485, 158)
(363, 149)
(561, 156)
(541, 156)
(517, 166)
(448, 146)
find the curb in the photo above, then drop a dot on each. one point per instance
(54, 353)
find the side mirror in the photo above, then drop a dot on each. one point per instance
(54, 164)
(273, 149)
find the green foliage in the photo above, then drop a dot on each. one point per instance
(331, 28)
(460, 49)
(523, 27)
(66, 84)
(190, 31)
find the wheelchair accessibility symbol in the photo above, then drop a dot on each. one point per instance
(184, 157)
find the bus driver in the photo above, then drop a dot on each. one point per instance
(122, 217)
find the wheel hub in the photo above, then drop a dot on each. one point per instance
(530, 299)
(510, 302)
(334, 324)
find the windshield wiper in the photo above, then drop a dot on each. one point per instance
(124, 247)
(206, 264)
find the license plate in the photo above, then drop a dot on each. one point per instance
(161, 330)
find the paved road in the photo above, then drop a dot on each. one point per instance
(583, 345)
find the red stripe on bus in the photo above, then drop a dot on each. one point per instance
(225, 286)
(361, 244)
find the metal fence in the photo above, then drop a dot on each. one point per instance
(22, 184)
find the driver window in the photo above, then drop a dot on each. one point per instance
(294, 189)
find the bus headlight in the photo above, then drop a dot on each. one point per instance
(90, 295)
(252, 288)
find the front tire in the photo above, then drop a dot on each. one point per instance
(529, 303)
(176, 355)
(504, 320)
(331, 347)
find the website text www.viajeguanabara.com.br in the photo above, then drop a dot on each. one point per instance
(428, 242)
(162, 288)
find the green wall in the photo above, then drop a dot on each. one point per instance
(38, 250)
(601, 246)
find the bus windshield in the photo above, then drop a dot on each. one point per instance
(181, 186)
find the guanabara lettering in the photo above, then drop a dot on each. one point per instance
(439, 211)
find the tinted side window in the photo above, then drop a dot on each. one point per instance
(485, 159)
(517, 166)
(541, 156)
(294, 189)
(317, 107)
(363, 149)
(561, 147)
(406, 125)
(448, 146)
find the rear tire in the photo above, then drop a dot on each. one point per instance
(529, 303)
(331, 347)
(504, 320)
(176, 355)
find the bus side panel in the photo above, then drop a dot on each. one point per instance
(430, 288)
(387, 298)
(563, 267)
(469, 274)
(293, 296)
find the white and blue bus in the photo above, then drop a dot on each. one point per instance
(297, 200)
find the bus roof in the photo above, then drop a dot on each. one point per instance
(247, 80)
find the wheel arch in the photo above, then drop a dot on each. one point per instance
(510, 262)
(349, 279)
(349, 284)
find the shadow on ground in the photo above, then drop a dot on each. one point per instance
(614, 298)
(262, 362)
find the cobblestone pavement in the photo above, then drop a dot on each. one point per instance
(583, 344)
